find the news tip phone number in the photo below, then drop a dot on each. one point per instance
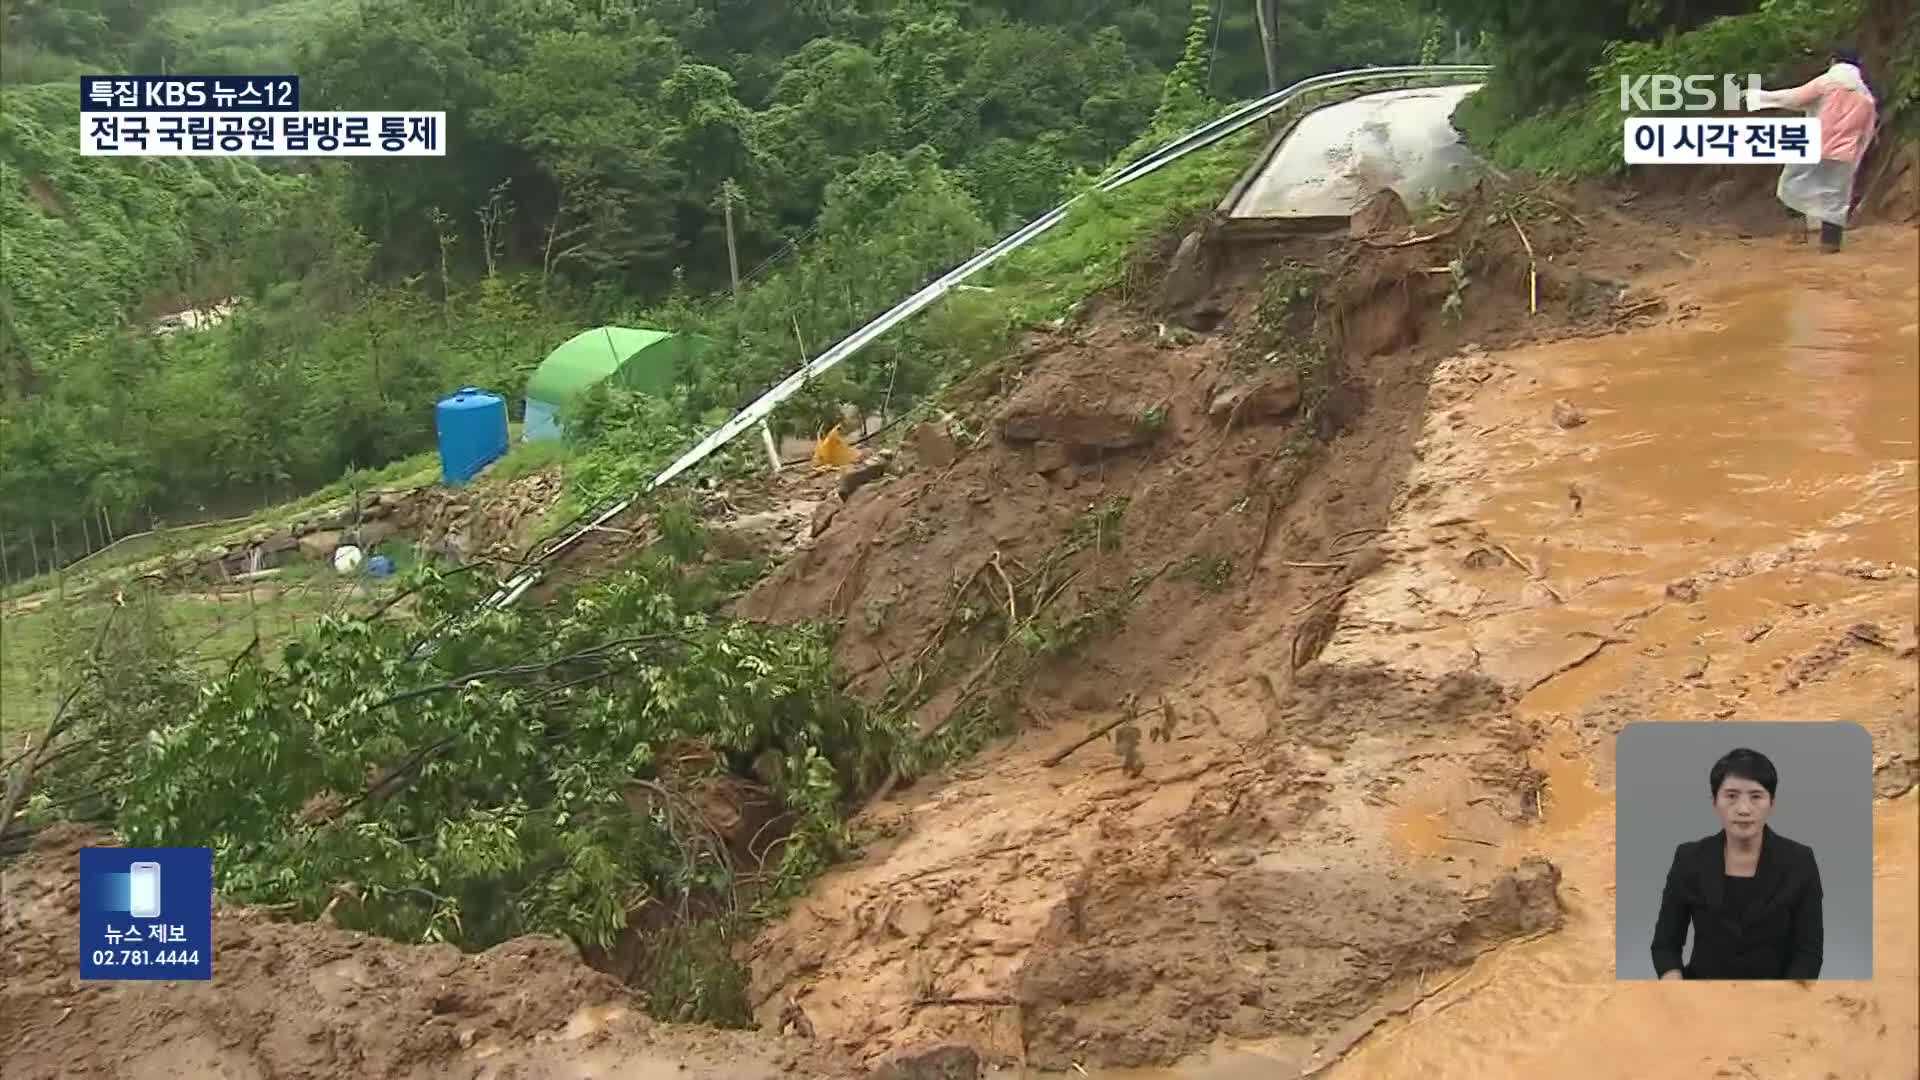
(145, 957)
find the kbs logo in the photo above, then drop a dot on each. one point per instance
(1692, 93)
(173, 94)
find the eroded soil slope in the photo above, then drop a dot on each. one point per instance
(1219, 865)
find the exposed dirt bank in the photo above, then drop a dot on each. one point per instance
(1226, 870)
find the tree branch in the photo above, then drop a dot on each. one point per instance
(464, 681)
(22, 779)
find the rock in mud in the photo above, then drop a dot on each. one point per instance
(1481, 559)
(863, 474)
(1895, 776)
(823, 516)
(1189, 274)
(1686, 590)
(1089, 412)
(1048, 456)
(945, 1062)
(319, 545)
(1593, 297)
(1273, 398)
(1566, 417)
(1525, 900)
(773, 531)
(1096, 428)
(1384, 215)
(933, 445)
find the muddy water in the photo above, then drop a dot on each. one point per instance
(1764, 452)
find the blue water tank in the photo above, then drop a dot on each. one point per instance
(472, 425)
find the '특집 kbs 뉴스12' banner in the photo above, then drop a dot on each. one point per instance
(239, 116)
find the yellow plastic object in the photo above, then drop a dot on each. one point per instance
(833, 451)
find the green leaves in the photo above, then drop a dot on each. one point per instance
(487, 791)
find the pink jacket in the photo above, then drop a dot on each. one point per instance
(1847, 112)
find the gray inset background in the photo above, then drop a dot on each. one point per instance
(1825, 801)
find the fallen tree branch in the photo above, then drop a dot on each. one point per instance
(1531, 573)
(473, 678)
(1422, 995)
(1533, 277)
(1013, 612)
(388, 604)
(981, 674)
(1127, 717)
(22, 779)
(1438, 234)
(1871, 635)
(390, 781)
(1324, 597)
(252, 646)
(1599, 643)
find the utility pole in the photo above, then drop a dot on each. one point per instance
(1264, 11)
(733, 274)
(733, 256)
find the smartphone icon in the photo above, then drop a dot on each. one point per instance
(144, 890)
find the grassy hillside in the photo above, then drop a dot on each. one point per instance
(90, 239)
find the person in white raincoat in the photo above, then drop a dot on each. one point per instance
(1823, 191)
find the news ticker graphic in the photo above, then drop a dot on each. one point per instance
(1721, 140)
(189, 93)
(146, 913)
(307, 134)
(239, 116)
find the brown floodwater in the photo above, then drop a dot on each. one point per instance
(1783, 420)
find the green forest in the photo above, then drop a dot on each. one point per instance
(593, 151)
(596, 147)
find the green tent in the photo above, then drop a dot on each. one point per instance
(633, 359)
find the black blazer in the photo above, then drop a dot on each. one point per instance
(1779, 936)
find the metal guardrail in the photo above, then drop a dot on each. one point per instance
(1199, 138)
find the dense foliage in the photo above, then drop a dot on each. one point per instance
(553, 769)
(596, 149)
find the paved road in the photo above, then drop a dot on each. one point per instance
(1340, 154)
